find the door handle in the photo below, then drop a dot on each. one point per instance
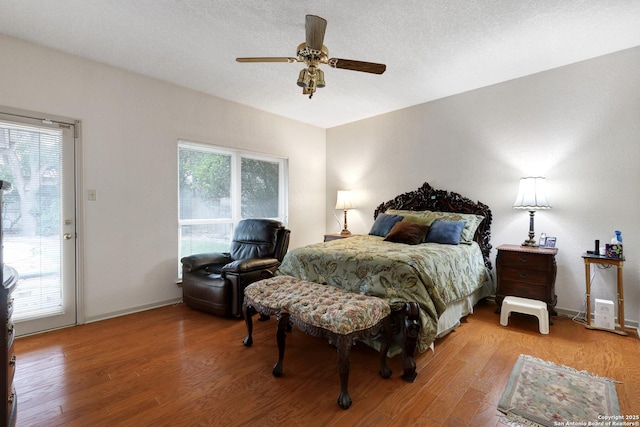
(67, 236)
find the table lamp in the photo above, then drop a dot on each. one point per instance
(344, 203)
(531, 196)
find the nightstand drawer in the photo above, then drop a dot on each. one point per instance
(539, 277)
(524, 260)
(524, 290)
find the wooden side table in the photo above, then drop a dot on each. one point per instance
(527, 272)
(603, 260)
(336, 236)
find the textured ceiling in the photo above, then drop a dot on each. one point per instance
(432, 48)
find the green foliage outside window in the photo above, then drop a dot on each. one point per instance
(260, 184)
(208, 175)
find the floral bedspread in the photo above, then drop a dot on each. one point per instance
(430, 274)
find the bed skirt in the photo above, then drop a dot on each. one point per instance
(450, 319)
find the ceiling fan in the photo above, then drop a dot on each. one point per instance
(313, 53)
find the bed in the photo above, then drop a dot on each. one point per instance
(409, 260)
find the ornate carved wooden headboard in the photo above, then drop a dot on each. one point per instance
(427, 198)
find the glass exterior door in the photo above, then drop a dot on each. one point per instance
(37, 158)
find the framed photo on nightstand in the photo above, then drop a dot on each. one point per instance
(550, 242)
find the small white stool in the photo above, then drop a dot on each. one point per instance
(526, 306)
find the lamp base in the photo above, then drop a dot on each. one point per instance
(530, 242)
(345, 231)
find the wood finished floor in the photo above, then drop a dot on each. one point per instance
(174, 366)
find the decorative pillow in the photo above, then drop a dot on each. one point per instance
(418, 220)
(472, 223)
(383, 224)
(427, 217)
(446, 232)
(410, 233)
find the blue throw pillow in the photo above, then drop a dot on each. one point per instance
(383, 224)
(446, 232)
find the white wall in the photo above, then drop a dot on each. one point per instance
(577, 125)
(130, 128)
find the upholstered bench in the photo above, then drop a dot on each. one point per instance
(319, 310)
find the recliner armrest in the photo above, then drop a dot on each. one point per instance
(250, 264)
(208, 260)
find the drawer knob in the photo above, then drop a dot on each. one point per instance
(523, 274)
(524, 259)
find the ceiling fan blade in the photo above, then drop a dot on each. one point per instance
(315, 28)
(349, 64)
(268, 59)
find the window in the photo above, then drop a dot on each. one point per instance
(217, 187)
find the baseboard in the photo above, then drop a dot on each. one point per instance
(132, 310)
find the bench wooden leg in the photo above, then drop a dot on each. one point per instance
(344, 347)
(387, 338)
(283, 323)
(249, 311)
(411, 332)
(405, 327)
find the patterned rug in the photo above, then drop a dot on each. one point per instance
(541, 393)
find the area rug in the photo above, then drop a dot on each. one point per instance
(540, 393)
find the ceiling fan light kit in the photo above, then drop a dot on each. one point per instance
(313, 53)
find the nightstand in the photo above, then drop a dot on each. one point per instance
(336, 236)
(527, 272)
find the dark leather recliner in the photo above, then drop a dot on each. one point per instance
(215, 282)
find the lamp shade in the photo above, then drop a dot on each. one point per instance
(344, 200)
(532, 194)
